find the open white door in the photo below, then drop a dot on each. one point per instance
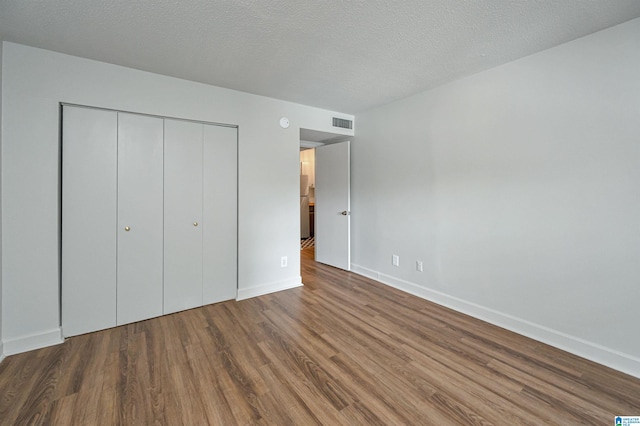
(332, 215)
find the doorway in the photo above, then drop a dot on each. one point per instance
(312, 213)
(307, 197)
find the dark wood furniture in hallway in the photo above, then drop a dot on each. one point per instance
(341, 350)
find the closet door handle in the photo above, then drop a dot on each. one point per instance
(126, 228)
(195, 223)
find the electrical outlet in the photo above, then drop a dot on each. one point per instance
(419, 266)
(395, 260)
(283, 262)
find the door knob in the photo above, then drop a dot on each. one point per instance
(126, 228)
(344, 213)
(195, 223)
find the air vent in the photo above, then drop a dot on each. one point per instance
(342, 123)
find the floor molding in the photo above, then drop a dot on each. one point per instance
(592, 351)
(247, 293)
(32, 341)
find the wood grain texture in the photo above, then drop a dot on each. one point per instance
(341, 350)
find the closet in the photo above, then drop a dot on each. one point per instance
(149, 217)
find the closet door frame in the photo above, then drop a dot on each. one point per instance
(104, 308)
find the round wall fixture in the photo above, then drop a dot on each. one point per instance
(284, 122)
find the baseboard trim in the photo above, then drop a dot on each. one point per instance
(33, 341)
(592, 351)
(247, 293)
(2, 355)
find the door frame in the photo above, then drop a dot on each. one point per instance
(322, 138)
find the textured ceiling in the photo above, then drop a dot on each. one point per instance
(341, 55)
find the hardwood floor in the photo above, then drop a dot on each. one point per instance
(340, 350)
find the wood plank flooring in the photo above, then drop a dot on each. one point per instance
(340, 350)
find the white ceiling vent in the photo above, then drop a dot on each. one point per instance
(342, 123)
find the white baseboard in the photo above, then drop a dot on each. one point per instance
(2, 355)
(247, 293)
(626, 363)
(33, 341)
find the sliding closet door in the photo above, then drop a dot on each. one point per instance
(140, 203)
(220, 213)
(89, 156)
(183, 215)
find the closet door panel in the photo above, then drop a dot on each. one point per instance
(89, 143)
(220, 212)
(140, 217)
(183, 215)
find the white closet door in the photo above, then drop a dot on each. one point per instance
(220, 214)
(89, 143)
(183, 222)
(140, 203)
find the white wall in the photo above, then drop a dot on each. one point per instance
(519, 188)
(35, 81)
